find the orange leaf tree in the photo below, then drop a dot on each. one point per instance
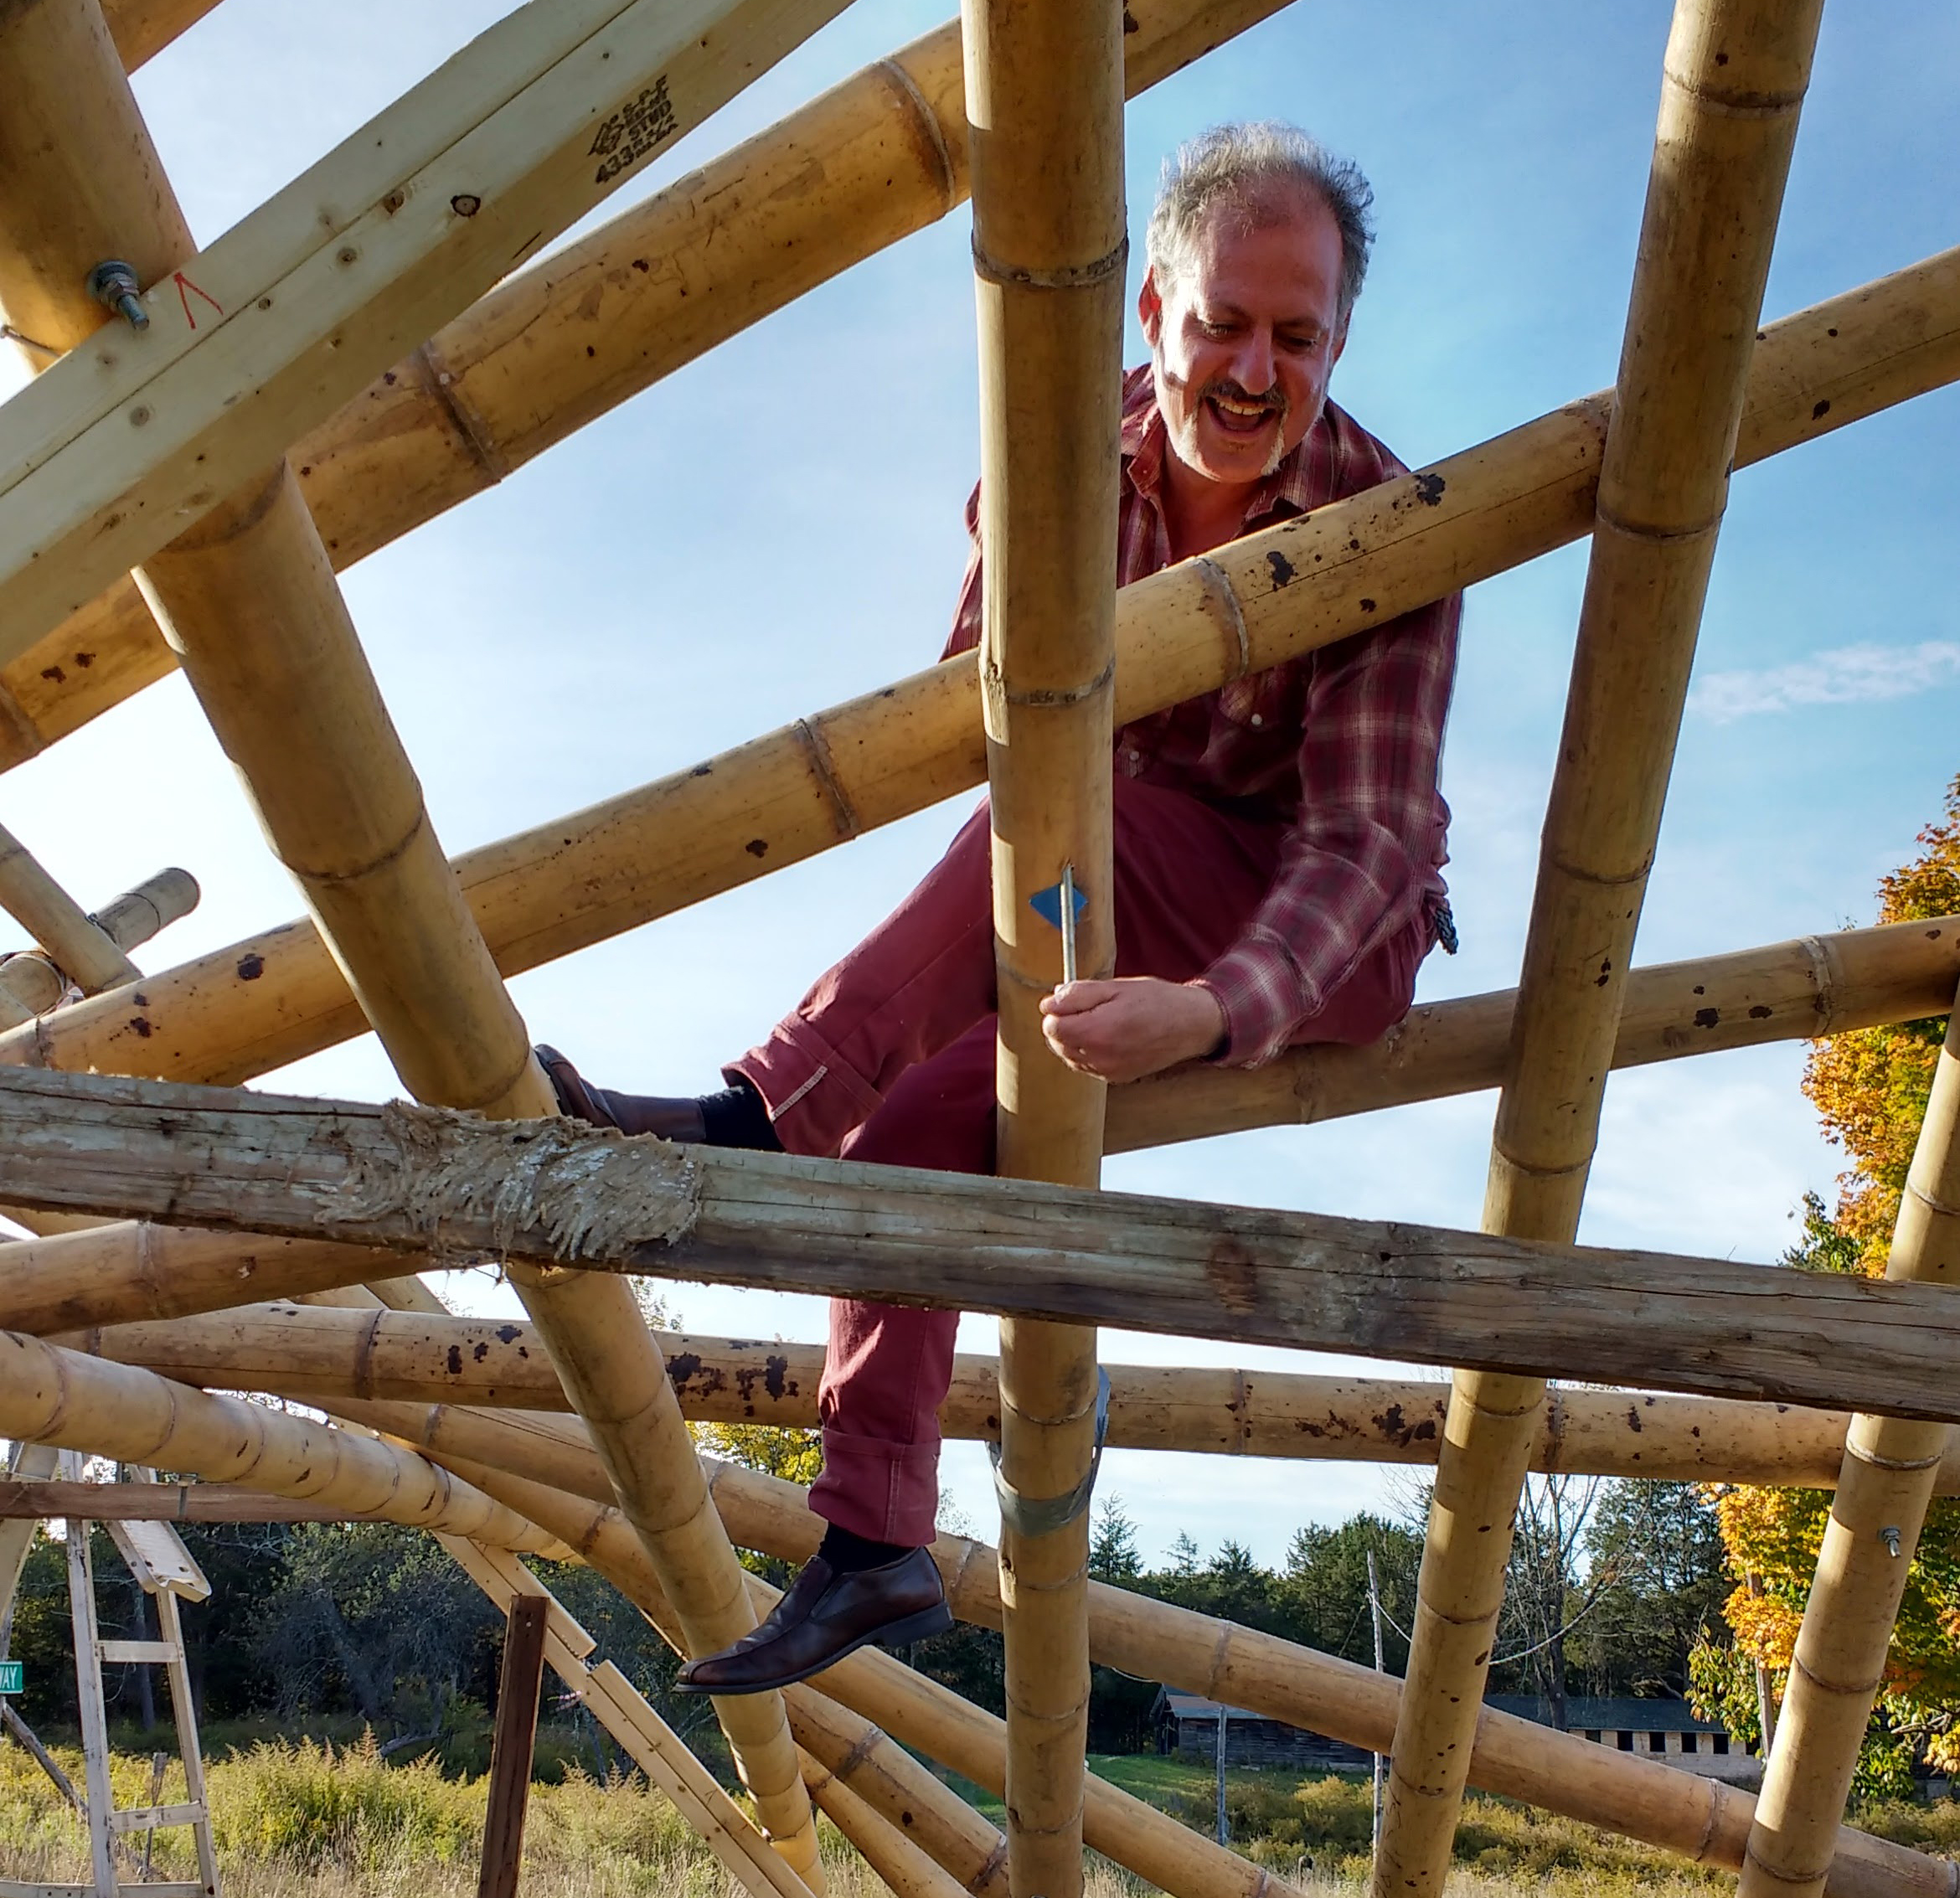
(1870, 1088)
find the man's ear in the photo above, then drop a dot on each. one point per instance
(1150, 308)
(1340, 342)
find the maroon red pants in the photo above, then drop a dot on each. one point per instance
(890, 1058)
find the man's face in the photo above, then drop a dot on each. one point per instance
(1244, 339)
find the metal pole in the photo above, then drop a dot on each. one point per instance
(1223, 1830)
(1374, 1611)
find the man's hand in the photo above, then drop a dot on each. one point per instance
(1138, 1025)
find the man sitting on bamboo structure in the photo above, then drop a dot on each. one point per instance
(1277, 851)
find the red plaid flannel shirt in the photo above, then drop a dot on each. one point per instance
(1342, 744)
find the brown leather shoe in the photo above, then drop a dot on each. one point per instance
(673, 1118)
(823, 1616)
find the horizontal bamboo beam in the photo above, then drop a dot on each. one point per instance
(159, 1503)
(276, 996)
(1814, 985)
(550, 1191)
(1701, 1819)
(133, 1271)
(119, 447)
(874, 159)
(308, 1353)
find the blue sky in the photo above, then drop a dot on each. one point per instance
(778, 526)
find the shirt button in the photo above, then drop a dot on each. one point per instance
(1257, 720)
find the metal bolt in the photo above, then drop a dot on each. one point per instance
(114, 285)
(1890, 1537)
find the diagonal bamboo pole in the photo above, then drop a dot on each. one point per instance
(142, 28)
(1889, 1473)
(308, 1353)
(1044, 103)
(276, 996)
(1701, 1819)
(876, 158)
(290, 694)
(1735, 76)
(72, 939)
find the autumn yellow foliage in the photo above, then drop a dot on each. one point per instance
(1870, 1088)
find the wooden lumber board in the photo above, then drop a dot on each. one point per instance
(265, 334)
(618, 1706)
(277, 995)
(546, 1191)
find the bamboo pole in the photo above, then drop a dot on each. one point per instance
(1889, 1473)
(142, 28)
(905, 1870)
(71, 938)
(1045, 105)
(564, 885)
(290, 692)
(553, 1193)
(132, 1270)
(1735, 76)
(30, 984)
(72, 1401)
(874, 159)
(305, 1353)
(1701, 1819)
(1813, 986)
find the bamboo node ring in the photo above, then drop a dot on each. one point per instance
(907, 87)
(1932, 1203)
(1069, 276)
(441, 381)
(821, 762)
(1058, 695)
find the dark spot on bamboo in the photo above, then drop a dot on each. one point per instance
(1821, 409)
(590, 351)
(775, 1375)
(85, 660)
(1429, 490)
(455, 1360)
(641, 266)
(250, 966)
(509, 1333)
(1605, 973)
(53, 674)
(1760, 1013)
(479, 1351)
(1707, 1018)
(1633, 1422)
(1281, 567)
(1699, 989)
(1831, 332)
(757, 847)
(1368, 605)
(141, 1026)
(1130, 22)
(141, 1001)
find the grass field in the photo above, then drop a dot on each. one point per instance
(308, 1820)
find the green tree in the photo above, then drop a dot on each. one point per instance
(1113, 1544)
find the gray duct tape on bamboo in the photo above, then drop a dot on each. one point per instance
(1042, 1515)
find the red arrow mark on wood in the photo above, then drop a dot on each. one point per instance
(185, 290)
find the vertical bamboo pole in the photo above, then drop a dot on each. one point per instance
(1735, 76)
(1883, 1488)
(1044, 107)
(249, 600)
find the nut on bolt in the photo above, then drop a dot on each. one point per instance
(115, 286)
(1890, 1536)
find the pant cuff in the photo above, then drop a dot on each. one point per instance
(814, 1098)
(887, 1491)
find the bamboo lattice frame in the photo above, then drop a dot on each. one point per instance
(398, 943)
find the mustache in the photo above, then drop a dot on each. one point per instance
(1273, 399)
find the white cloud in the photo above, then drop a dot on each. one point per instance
(1843, 675)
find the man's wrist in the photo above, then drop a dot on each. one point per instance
(1222, 1036)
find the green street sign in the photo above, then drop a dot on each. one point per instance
(12, 1677)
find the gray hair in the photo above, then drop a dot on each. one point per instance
(1241, 163)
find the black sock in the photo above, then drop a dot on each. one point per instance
(736, 1117)
(847, 1554)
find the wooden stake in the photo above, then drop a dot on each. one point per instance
(1735, 73)
(305, 1352)
(511, 1747)
(1044, 103)
(1701, 1819)
(1889, 1476)
(556, 1192)
(578, 880)
(879, 157)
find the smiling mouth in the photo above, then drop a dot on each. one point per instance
(1239, 418)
